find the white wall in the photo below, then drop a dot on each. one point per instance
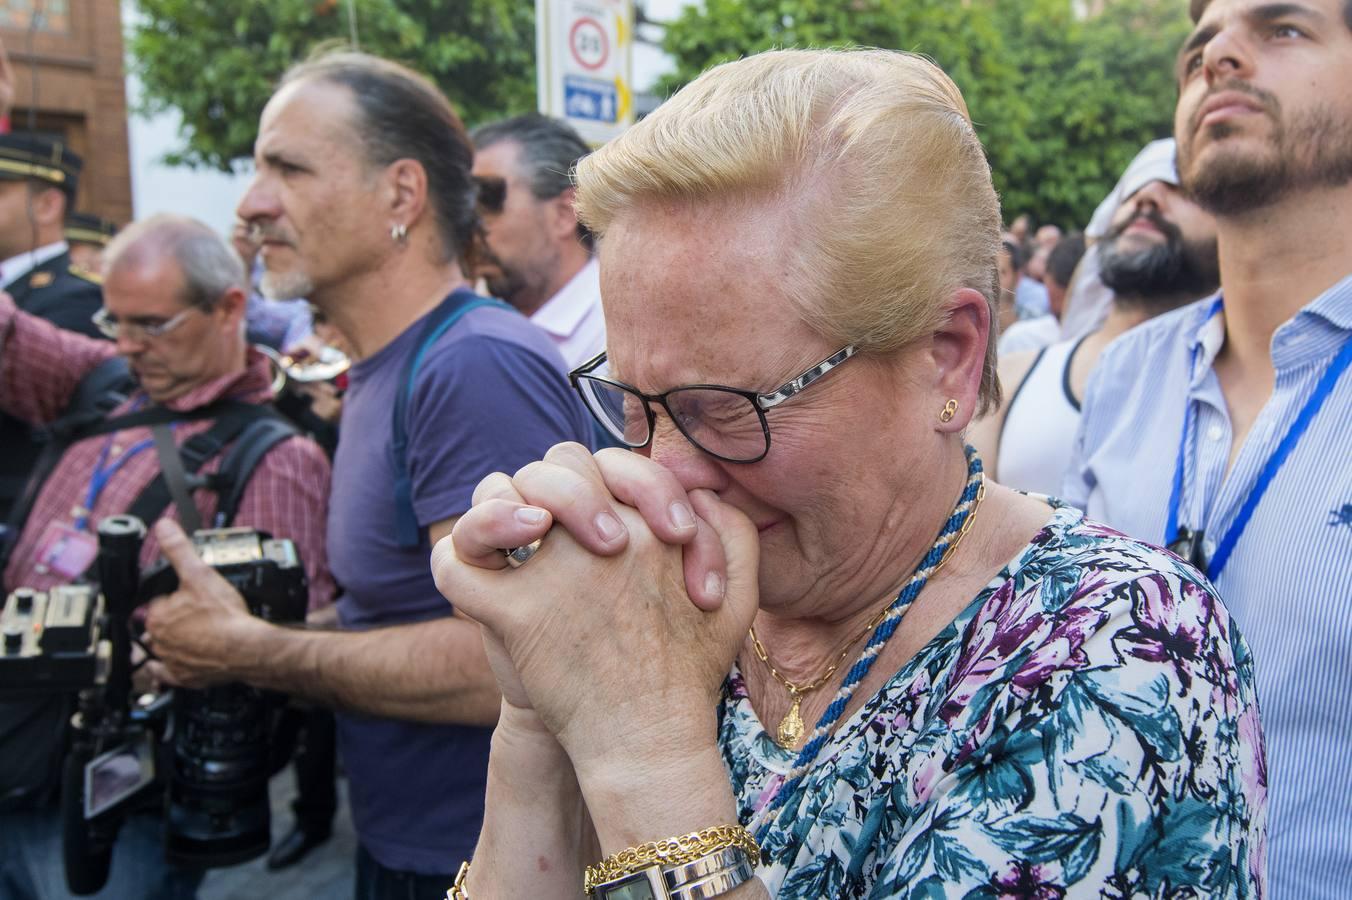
(202, 193)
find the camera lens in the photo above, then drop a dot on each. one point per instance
(218, 789)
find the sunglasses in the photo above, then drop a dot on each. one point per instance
(492, 193)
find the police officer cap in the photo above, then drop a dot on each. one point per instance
(40, 157)
(84, 228)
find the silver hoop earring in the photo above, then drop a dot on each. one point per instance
(399, 233)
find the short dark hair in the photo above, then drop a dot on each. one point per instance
(1197, 7)
(1065, 256)
(403, 115)
(1016, 257)
(550, 150)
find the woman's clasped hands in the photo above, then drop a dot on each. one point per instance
(620, 630)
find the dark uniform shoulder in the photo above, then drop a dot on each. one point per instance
(62, 294)
(86, 275)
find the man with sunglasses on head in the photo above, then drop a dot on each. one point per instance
(174, 304)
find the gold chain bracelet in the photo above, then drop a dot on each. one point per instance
(457, 891)
(672, 852)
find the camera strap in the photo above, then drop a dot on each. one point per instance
(60, 435)
(171, 470)
(231, 423)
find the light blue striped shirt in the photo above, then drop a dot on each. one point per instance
(1289, 581)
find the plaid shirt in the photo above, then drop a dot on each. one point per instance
(40, 367)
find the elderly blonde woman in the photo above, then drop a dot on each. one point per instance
(797, 645)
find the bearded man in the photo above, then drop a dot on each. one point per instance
(1159, 254)
(1222, 429)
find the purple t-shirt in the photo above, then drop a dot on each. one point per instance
(490, 395)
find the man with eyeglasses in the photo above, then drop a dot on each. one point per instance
(174, 306)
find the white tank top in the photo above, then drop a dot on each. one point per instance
(1039, 430)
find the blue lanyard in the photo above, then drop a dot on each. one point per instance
(1321, 393)
(103, 473)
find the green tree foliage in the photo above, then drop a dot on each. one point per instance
(1062, 101)
(217, 62)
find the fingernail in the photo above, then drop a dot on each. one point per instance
(713, 585)
(530, 515)
(682, 516)
(608, 527)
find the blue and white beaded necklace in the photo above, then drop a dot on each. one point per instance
(790, 729)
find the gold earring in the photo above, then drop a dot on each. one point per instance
(950, 410)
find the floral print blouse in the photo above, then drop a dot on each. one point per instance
(1087, 727)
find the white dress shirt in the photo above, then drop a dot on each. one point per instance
(572, 317)
(16, 267)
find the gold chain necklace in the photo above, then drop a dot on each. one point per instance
(791, 727)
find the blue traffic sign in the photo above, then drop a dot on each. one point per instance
(589, 98)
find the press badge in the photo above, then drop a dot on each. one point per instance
(66, 550)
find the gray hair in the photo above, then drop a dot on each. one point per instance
(550, 149)
(209, 264)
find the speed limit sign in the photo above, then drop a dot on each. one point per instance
(589, 45)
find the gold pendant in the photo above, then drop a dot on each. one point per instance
(790, 730)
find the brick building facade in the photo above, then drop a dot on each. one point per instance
(68, 70)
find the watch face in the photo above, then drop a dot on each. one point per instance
(632, 887)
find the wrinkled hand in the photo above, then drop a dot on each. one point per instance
(197, 631)
(599, 632)
(585, 492)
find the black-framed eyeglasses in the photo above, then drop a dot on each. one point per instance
(724, 422)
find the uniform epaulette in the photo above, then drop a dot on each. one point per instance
(91, 277)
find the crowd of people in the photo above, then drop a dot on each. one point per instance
(857, 544)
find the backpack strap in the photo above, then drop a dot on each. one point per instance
(102, 390)
(238, 465)
(232, 418)
(67, 431)
(406, 531)
(98, 393)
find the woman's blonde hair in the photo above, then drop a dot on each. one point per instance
(872, 149)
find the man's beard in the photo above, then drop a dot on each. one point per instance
(1313, 150)
(522, 286)
(293, 285)
(1162, 276)
(505, 284)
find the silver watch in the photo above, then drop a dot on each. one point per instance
(704, 878)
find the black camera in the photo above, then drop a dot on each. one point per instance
(208, 753)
